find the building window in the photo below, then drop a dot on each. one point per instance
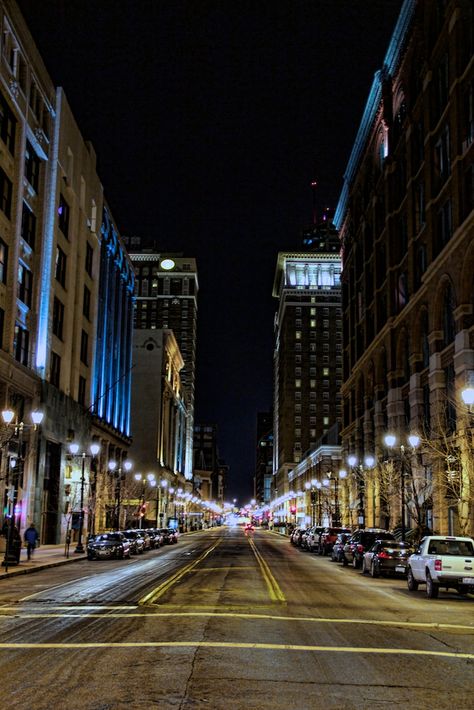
(84, 347)
(5, 194)
(81, 391)
(312, 323)
(7, 125)
(445, 226)
(86, 303)
(58, 318)
(28, 226)
(63, 216)
(298, 383)
(442, 160)
(3, 261)
(298, 335)
(21, 344)
(89, 258)
(25, 278)
(61, 261)
(312, 384)
(32, 166)
(55, 374)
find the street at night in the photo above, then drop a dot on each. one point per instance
(230, 620)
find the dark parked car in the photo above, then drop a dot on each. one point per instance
(146, 538)
(386, 556)
(360, 542)
(328, 538)
(137, 543)
(108, 545)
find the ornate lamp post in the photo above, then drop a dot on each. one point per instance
(16, 465)
(94, 450)
(358, 471)
(118, 476)
(390, 441)
(150, 479)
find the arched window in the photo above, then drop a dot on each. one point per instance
(449, 325)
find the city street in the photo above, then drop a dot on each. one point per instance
(226, 620)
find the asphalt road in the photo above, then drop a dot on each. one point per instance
(228, 621)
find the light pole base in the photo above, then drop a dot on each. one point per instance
(79, 548)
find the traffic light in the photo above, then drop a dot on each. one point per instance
(293, 509)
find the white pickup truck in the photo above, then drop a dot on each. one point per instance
(442, 561)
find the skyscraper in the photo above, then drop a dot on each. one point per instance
(166, 298)
(308, 348)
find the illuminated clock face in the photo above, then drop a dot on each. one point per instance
(167, 264)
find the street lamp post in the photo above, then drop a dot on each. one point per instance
(8, 416)
(94, 450)
(390, 441)
(150, 479)
(118, 477)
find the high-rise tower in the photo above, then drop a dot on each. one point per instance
(308, 348)
(166, 298)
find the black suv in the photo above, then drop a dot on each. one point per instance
(360, 542)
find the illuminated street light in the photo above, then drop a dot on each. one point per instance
(94, 450)
(390, 441)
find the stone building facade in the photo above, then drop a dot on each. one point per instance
(406, 222)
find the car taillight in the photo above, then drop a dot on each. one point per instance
(384, 555)
(438, 565)
(360, 548)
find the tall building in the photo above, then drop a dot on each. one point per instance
(264, 458)
(210, 472)
(407, 223)
(166, 298)
(308, 349)
(51, 239)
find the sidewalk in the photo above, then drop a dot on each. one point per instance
(43, 557)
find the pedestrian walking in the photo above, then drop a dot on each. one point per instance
(31, 538)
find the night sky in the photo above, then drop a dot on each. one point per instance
(210, 119)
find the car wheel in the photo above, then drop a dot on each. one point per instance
(364, 568)
(90, 557)
(412, 584)
(373, 570)
(325, 551)
(344, 561)
(355, 563)
(463, 589)
(432, 589)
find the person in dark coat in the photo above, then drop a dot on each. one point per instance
(31, 538)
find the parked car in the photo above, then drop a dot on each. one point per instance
(386, 556)
(328, 537)
(108, 545)
(337, 552)
(137, 543)
(296, 536)
(170, 536)
(442, 561)
(314, 535)
(305, 537)
(360, 541)
(156, 538)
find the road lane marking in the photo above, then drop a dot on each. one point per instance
(220, 569)
(239, 615)
(167, 584)
(274, 590)
(237, 645)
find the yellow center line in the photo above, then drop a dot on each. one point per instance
(164, 586)
(234, 645)
(220, 569)
(240, 615)
(275, 592)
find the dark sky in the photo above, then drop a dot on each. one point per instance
(210, 118)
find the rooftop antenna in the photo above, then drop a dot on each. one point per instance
(314, 185)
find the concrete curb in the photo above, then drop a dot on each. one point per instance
(40, 566)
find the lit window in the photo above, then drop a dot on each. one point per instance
(298, 383)
(298, 335)
(325, 371)
(312, 323)
(325, 421)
